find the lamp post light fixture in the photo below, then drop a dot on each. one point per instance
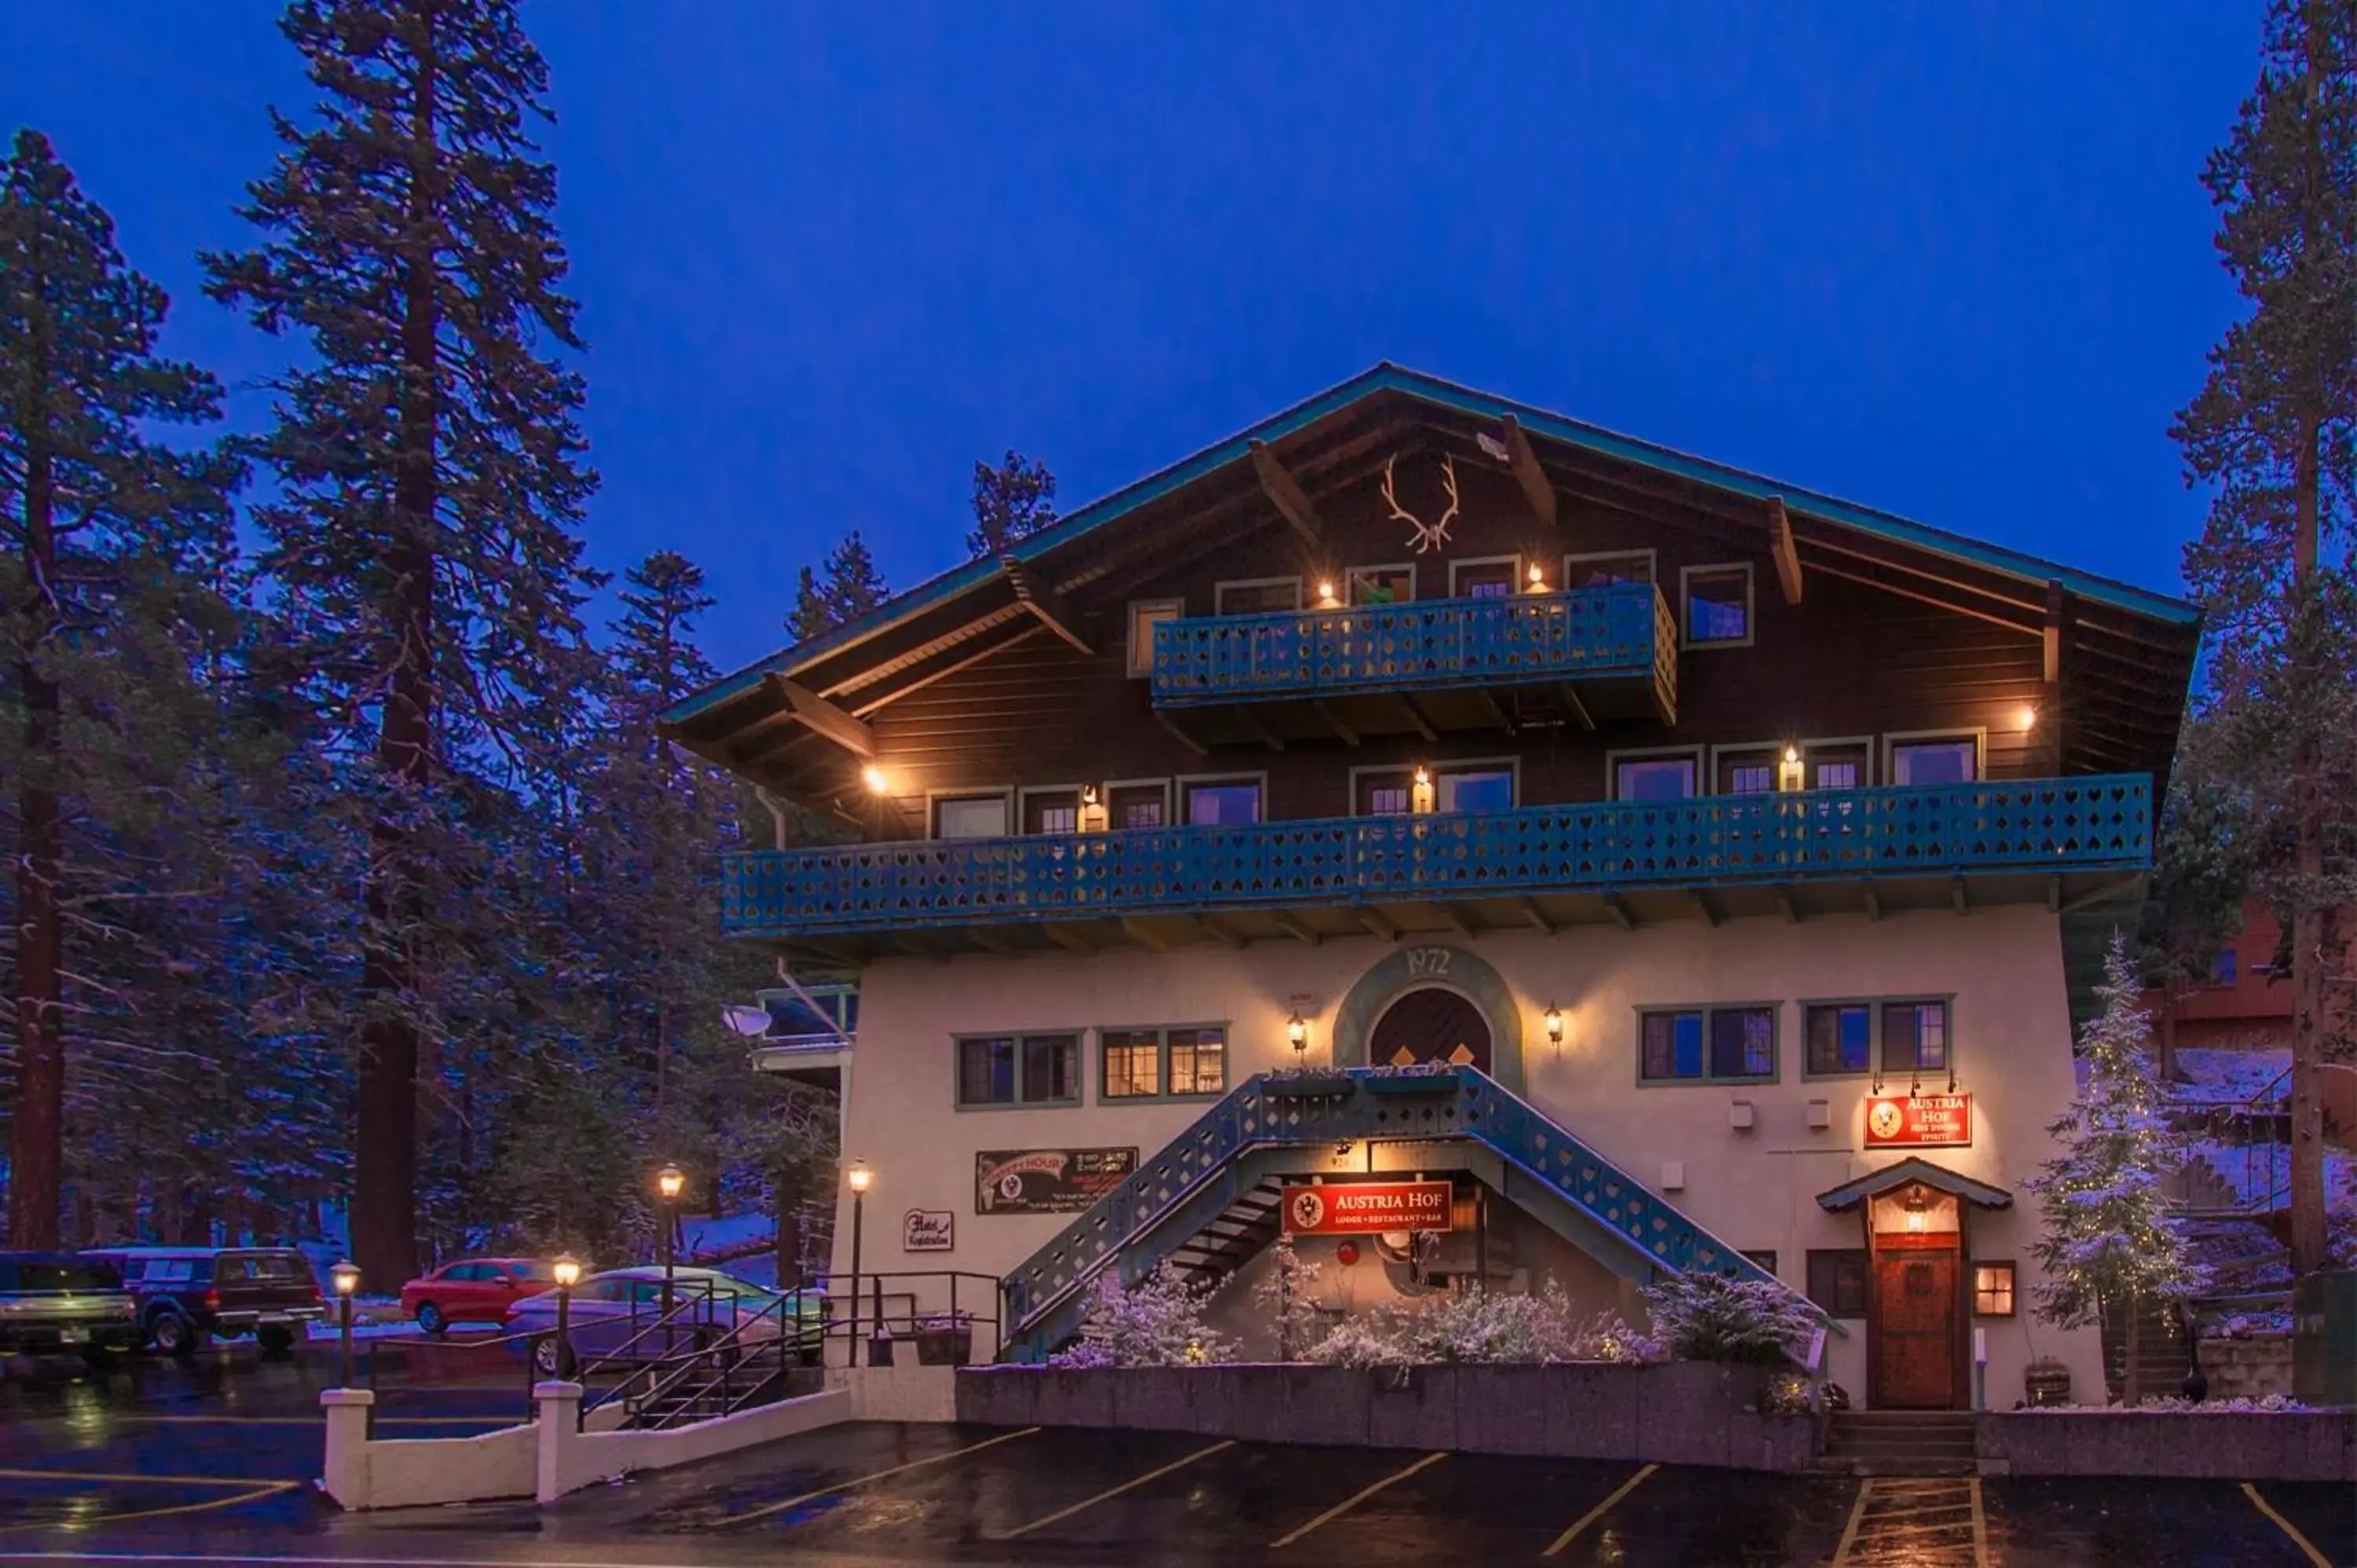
(860, 1178)
(567, 1271)
(345, 1277)
(670, 1182)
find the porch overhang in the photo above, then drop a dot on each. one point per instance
(1910, 1170)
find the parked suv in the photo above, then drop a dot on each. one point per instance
(189, 1294)
(473, 1290)
(55, 1301)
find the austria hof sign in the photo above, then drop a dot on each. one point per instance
(1363, 1207)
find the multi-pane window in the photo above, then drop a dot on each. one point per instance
(1026, 1069)
(1223, 803)
(1914, 1037)
(1747, 772)
(1993, 1290)
(1600, 570)
(1836, 772)
(1259, 597)
(1718, 604)
(1137, 806)
(1841, 1038)
(1949, 761)
(1052, 811)
(1385, 794)
(1482, 579)
(1144, 1064)
(1837, 1280)
(1706, 1045)
(1654, 778)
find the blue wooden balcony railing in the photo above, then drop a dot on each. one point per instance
(1623, 630)
(2058, 825)
(1153, 1211)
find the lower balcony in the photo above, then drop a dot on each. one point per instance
(2070, 842)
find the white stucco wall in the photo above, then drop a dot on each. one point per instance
(1755, 1189)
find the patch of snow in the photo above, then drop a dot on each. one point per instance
(702, 1234)
(2216, 1074)
(2260, 1174)
(2169, 1404)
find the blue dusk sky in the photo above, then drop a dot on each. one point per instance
(1951, 261)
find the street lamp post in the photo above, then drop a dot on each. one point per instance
(859, 1177)
(669, 1182)
(345, 1276)
(567, 1270)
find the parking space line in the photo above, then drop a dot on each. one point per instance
(126, 1478)
(1355, 1499)
(1598, 1511)
(1849, 1531)
(2260, 1503)
(1980, 1527)
(1129, 1486)
(768, 1509)
(254, 1495)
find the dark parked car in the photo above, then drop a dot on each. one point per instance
(189, 1294)
(57, 1302)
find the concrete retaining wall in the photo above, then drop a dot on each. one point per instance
(2251, 1367)
(2318, 1445)
(1681, 1413)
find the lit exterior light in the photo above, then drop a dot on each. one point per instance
(2029, 715)
(1537, 578)
(1296, 1034)
(860, 1177)
(1788, 773)
(345, 1277)
(1553, 1025)
(1088, 794)
(670, 1182)
(566, 1271)
(1424, 776)
(874, 778)
(1326, 599)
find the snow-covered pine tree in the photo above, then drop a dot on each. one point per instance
(2109, 1238)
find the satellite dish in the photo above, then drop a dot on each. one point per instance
(1492, 445)
(750, 1022)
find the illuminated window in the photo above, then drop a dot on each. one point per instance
(1949, 761)
(1654, 778)
(1223, 803)
(1133, 1064)
(1993, 1290)
(1719, 606)
(1476, 788)
(1149, 1064)
(2222, 968)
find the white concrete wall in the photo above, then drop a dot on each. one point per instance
(1756, 1189)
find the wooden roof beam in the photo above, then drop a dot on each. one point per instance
(1779, 545)
(1528, 474)
(1287, 495)
(823, 717)
(1045, 603)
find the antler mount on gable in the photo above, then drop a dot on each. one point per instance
(1427, 535)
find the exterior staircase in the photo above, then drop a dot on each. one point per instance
(1208, 1199)
(1900, 1443)
(2160, 1351)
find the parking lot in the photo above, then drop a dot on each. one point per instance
(213, 1461)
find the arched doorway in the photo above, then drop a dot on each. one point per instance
(1431, 1024)
(1456, 972)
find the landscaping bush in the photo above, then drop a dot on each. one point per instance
(1158, 1322)
(1481, 1329)
(1716, 1317)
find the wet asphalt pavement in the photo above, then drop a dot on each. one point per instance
(213, 1463)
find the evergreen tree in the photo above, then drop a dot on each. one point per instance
(2201, 874)
(811, 617)
(1011, 501)
(2110, 1239)
(850, 588)
(2273, 434)
(429, 471)
(109, 538)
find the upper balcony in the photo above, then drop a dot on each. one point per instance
(2062, 842)
(1427, 665)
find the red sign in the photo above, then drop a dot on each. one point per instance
(1357, 1208)
(1921, 1122)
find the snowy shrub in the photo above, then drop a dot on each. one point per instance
(2171, 1404)
(1288, 1294)
(1787, 1393)
(1605, 1337)
(1473, 1327)
(1716, 1317)
(1158, 1322)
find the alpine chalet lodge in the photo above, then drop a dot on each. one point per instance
(1495, 851)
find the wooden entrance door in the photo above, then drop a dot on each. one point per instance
(1916, 1326)
(1430, 1025)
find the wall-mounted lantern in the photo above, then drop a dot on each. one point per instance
(1296, 1034)
(1554, 1026)
(1421, 798)
(1788, 772)
(1093, 810)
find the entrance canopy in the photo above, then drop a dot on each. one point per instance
(1912, 1169)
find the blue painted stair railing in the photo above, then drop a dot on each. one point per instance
(1045, 1295)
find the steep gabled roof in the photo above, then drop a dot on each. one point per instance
(2140, 641)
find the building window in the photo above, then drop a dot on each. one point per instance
(1484, 788)
(1836, 767)
(1837, 1280)
(1150, 1064)
(1654, 778)
(1145, 614)
(2221, 967)
(1029, 1069)
(1381, 584)
(1602, 571)
(1949, 760)
(1914, 1037)
(1747, 772)
(1264, 596)
(1763, 1256)
(1840, 1039)
(1719, 606)
(1993, 1290)
(1387, 792)
(970, 816)
(1490, 579)
(1137, 805)
(1052, 811)
(1741, 1045)
(1223, 803)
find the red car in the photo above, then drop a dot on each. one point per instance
(473, 1290)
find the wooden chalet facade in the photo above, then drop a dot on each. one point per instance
(1705, 823)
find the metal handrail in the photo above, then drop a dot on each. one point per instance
(2269, 1102)
(686, 1361)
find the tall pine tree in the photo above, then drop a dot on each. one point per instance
(108, 536)
(2273, 434)
(429, 465)
(849, 589)
(1012, 501)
